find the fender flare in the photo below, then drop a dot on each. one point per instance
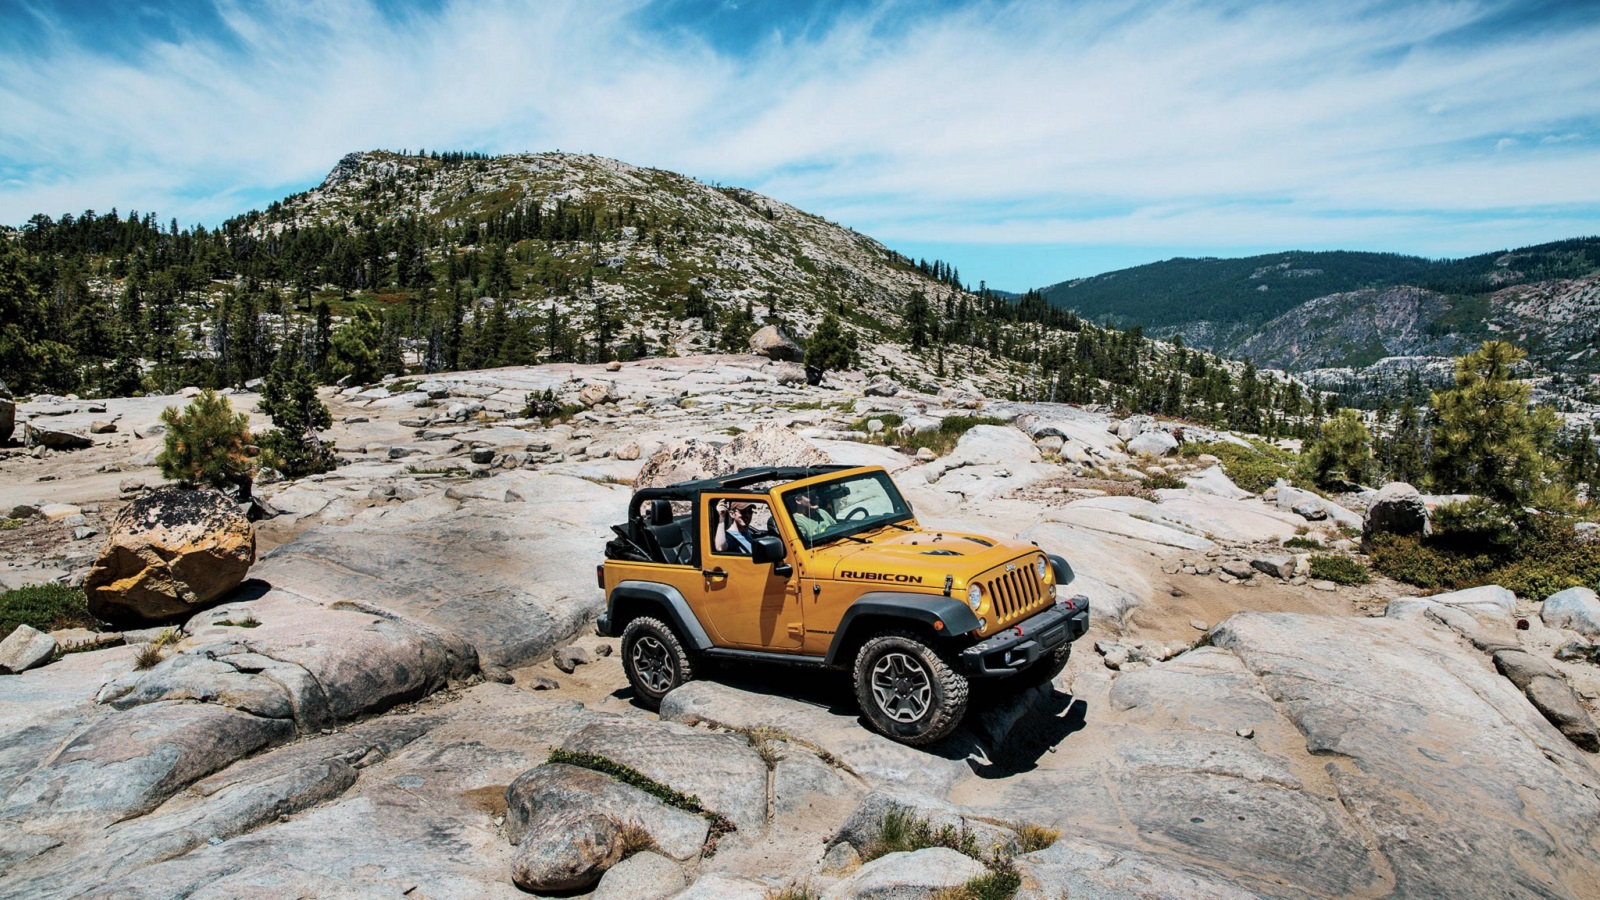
(1062, 568)
(666, 598)
(953, 617)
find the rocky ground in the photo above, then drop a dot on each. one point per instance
(374, 711)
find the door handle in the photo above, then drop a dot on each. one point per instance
(714, 573)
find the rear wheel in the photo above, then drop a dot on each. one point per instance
(654, 660)
(906, 689)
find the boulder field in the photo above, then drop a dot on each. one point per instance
(378, 708)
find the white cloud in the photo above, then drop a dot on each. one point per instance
(1164, 123)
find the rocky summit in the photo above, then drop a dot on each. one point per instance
(405, 695)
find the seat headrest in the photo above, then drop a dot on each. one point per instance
(660, 512)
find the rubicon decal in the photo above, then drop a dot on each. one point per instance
(880, 576)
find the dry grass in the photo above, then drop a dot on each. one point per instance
(635, 839)
(1035, 837)
(149, 655)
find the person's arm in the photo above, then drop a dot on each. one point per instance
(719, 540)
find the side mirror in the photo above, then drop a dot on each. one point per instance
(768, 549)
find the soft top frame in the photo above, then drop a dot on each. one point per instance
(690, 490)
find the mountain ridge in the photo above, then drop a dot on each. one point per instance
(1301, 310)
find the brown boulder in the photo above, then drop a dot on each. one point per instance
(767, 444)
(170, 552)
(8, 418)
(768, 341)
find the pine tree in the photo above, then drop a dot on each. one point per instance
(1341, 452)
(828, 350)
(207, 444)
(919, 320)
(289, 398)
(357, 348)
(1487, 441)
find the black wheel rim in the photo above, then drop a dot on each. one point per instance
(652, 664)
(901, 687)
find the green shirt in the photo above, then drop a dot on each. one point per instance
(813, 525)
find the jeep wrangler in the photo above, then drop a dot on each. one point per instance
(827, 566)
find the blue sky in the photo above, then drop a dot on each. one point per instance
(1026, 142)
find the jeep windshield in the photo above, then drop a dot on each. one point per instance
(844, 507)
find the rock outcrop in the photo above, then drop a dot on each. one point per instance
(170, 552)
(764, 445)
(54, 438)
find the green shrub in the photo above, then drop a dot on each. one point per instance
(46, 607)
(1339, 569)
(1302, 543)
(1001, 882)
(544, 406)
(1253, 468)
(1545, 557)
(940, 440)
(1408, 559)
(1161, 481)
(1477, 525)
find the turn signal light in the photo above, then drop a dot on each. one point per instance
(600, 575)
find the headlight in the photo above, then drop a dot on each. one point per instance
(1042, 566)
(974, 597)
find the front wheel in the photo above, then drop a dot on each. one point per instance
(654, 660)
(907, 691)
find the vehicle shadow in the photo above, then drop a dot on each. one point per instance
(1004, 733)
(1040, 721)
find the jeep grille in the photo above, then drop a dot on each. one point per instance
(1015, 592)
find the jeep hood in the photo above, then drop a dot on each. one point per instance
(926, 554)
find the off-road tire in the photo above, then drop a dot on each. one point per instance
(1043, 671)
(654, 660)
(898, 657)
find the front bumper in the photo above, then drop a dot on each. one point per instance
(1023, 644)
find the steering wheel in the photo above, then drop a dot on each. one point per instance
(859, 512)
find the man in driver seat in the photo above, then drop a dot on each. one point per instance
(810, 518)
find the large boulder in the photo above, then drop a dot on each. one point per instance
(554, 789)
(25, 648)
(768, 341)
(54, 438)
(567, 853)
(8, 418)
(768, 444)
(170, 552)
(1577, 608)
(882, 386)
(1397, 509)
(1154, 443)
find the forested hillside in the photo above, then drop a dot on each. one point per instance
(435, 262)
(1302, 311)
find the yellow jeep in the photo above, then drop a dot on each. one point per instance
(828, 566)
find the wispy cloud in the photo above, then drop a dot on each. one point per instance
(1429, 127)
